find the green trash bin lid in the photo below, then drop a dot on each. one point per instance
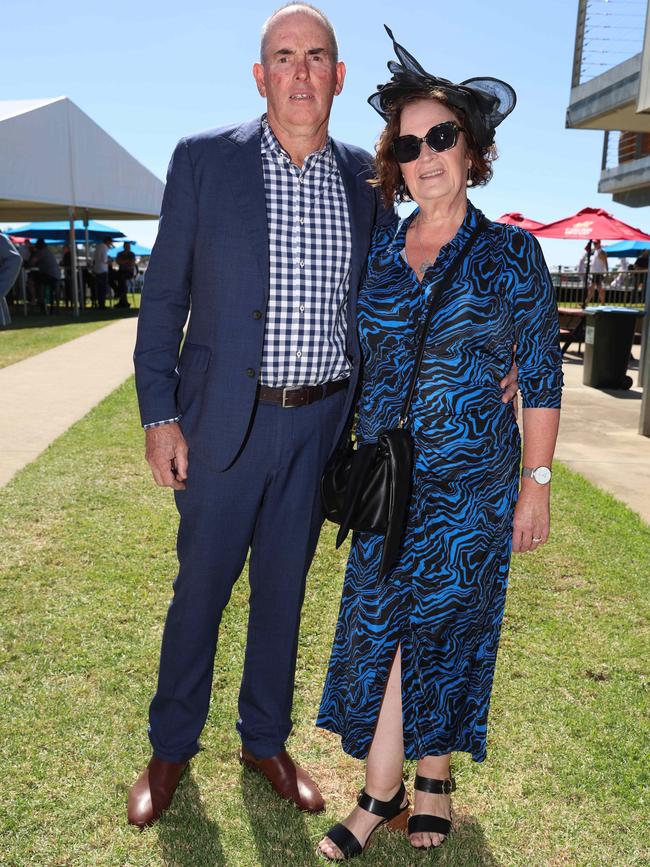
(612, 309)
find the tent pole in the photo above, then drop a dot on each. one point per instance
(87, 240)
(585, 288)
(644, 365)
(73, 264)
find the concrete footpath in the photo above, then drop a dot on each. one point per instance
(599, 438)
(45, 394)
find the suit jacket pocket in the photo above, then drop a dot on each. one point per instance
(194, 357)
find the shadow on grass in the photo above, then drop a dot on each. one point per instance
(185, 830)
(467, 846)
(279, 829)
(64, 316)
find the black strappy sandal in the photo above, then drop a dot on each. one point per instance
(394, 816)
(427, 824)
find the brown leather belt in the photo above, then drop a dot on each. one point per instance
(301, 395)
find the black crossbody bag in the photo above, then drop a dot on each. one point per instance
(368, 488)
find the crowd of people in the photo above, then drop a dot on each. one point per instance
(44, 278)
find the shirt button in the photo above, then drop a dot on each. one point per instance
(299, 354)
(302, 263)
(302, 308)
(250, 372)
(257, 314)
(302, 221)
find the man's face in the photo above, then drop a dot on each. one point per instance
(299, 78)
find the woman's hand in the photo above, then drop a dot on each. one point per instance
(532, 521)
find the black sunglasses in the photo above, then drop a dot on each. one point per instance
(441, 137)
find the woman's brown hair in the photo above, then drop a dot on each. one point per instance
(388, 176)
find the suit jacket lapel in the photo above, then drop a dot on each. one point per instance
(360, 200)
(360, 208)
(247, 180)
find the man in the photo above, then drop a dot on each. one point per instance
(10, 265)
(126, 271)
(599, 267)
(48, 274)
(265, 226)
(100, 270)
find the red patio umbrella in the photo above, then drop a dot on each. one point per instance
(515, 219)
(591, 224)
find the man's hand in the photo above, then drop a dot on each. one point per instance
(509, 385)
(166, 454)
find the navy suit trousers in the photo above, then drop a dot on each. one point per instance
(266, 502)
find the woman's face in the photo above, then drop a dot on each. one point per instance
(433, 176)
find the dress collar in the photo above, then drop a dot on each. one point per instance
(470, 221)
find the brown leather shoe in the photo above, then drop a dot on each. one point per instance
(288, 779)
(153, 791)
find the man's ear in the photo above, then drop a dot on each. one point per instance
(258, 75)
(340, 77)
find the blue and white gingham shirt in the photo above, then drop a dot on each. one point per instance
(310, 250)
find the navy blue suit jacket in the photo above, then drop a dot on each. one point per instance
(212, 254)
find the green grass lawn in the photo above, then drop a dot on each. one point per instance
(88, 560)
(29, 335)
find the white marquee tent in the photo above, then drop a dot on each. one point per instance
(57, 163)
(53, 157)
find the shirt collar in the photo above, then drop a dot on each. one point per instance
(271, 144)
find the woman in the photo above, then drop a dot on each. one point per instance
(413, 658)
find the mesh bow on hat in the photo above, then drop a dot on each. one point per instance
(485, 101)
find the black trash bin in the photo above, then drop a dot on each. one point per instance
(608, 344)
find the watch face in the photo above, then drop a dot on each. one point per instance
(542, 475)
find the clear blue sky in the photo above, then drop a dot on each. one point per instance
(150, 72)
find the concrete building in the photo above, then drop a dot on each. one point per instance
(610, 90)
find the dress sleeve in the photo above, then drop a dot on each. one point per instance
(537, 332)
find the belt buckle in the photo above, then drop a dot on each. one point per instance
(447, 787)
(285, 391)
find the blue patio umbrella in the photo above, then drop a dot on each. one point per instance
(60, 231)
(626, 248)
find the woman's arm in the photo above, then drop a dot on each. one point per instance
(532, 513)
(540, 377)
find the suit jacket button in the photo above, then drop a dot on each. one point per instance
(257, 314)
(250, 372)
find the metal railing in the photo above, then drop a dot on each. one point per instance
(620, 148)
(608, 32)
(619, 288)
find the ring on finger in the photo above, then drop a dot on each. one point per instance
(536, 539)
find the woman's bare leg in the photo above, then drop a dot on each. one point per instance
(384, 764)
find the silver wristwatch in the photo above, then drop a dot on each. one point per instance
(542, 475)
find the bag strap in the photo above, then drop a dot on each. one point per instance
(436, 294)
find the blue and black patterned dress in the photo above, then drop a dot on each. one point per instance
(444, 600)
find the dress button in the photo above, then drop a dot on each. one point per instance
(250, 372)
(257, 314)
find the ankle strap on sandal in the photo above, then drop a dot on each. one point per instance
(434, 787)
(385, 809)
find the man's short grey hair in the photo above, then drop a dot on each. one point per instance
(309, 10)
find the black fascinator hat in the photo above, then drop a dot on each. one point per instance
(485, 101)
